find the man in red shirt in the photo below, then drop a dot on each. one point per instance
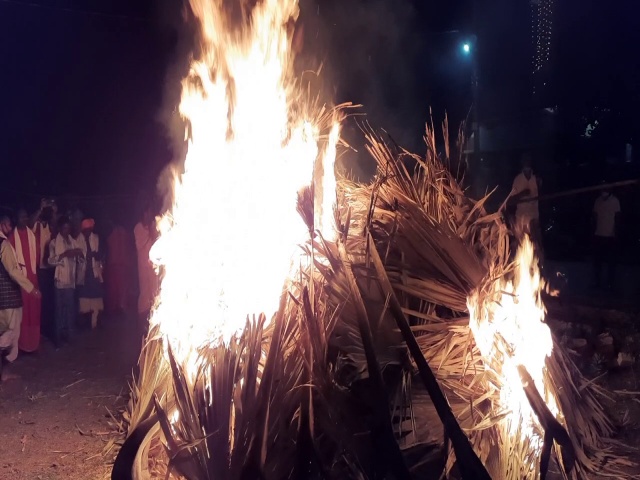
(12, 283)
(27, 248)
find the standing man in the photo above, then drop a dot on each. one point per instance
(606, 213)
(90, 280)
(64, 255)
(27, 248)
(11, 281)
(145, 234)
(43, 221)
(44, 228)
(525, 187)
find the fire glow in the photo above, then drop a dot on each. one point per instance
(229, 242)
(509, 329)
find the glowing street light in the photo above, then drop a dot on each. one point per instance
(470, 51)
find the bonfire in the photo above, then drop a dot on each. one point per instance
(289, 347)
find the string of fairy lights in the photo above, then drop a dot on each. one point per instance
(541, 35)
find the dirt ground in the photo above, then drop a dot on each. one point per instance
(55, 421)
(606, 347)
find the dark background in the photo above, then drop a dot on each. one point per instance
(84, 86)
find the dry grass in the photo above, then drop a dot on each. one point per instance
(326, 388)
(438, 246)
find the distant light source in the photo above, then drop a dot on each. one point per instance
(466, 48)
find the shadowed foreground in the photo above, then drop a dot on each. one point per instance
(55, 422)
(55, 419)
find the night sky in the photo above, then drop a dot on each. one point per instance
(81, 92)
(83, 81)
(597, 61)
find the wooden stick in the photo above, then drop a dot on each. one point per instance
(552, 428)
(545, 456)
(625, 392)
(576, 191)
(74, 383)
(470, 465)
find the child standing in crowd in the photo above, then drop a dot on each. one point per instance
(64, 255)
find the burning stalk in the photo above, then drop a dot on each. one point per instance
(553, 430)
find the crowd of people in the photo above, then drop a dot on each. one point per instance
(58, 273)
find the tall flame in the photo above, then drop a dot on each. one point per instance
(228, 244)
(508, 326)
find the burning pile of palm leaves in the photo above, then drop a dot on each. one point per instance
(398, 279)
(443, 256)
(325, 390)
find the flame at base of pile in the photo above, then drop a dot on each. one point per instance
(507, 321)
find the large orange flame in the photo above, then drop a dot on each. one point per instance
(229, 242)
(508, 326)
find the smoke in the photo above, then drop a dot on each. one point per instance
(174, 19)
(370, 50)
(372, 56)
(365, 51)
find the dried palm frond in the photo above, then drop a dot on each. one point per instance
(153, 379)
(269, 404)
(438, 246)
(325, 390)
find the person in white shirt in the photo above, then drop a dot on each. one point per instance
(606, 213)
(523, 192)
(64, 255)
(42, 223)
